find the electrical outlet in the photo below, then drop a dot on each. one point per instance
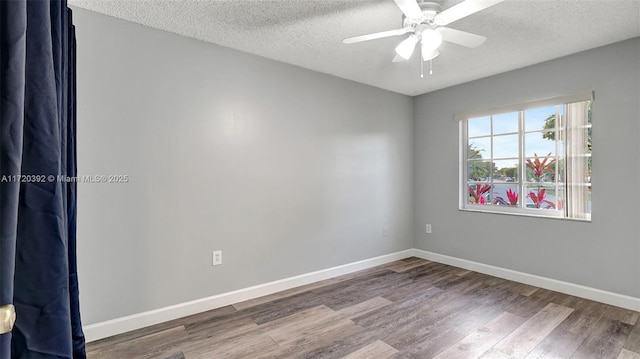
(217, 258)
(427, 228)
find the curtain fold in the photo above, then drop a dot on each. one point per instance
(45, 288)
(576, 147)
(13, 29)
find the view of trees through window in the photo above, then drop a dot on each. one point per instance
(537, 159)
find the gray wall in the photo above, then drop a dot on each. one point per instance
(603, 254)
(285, 170)
(288, 171)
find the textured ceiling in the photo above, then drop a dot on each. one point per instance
(309, 34)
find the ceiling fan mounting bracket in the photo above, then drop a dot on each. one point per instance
(429, 11)
(429, 6)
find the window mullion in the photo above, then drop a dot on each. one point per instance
(491, 193)
(521, 161)
(561, 128)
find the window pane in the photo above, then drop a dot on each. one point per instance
(561, 198)
(479, 171)
(480, 126)
(505, 146)
(506, 194)
(479, 193)
(538, 143)
(541, 169)
(506, 171)
(541, 196)
(559, 170)
(505, 123)
(479, 148)
(539, 119)
(560, 144)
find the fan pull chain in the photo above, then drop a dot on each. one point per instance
(431, 67)
(421, 67)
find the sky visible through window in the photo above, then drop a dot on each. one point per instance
(505, 135)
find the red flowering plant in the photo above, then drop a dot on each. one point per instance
(539, 199)
(539, 168)
(477, 196)
(512, 199)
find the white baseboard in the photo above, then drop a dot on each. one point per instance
(615, 299)
(112, 327)
(136, 321)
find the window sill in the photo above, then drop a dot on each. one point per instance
(524, 213)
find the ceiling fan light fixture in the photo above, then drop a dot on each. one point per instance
(406, 47)
(431, 39)
(428, 54)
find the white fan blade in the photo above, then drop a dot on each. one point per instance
(461, 37)
(463, 9)
(377, 35)
(429, 54)
(409, 8)
(398, 58)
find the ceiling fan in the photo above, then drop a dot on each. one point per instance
(426, 21)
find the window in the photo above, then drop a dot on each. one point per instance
(533, 159)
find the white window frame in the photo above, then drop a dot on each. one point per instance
(464, 204)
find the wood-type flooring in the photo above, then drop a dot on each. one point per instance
(411, 308)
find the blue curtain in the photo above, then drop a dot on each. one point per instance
(37, 202)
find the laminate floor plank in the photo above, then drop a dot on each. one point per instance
(529, 306)
(399, 314)
(526, 337)
(284, 294)
(524, 289)
(427, 323)
(341, 346)
(563, 341)
(403, 266)
(623, 315)
(605, 341)
(429, 272)
(220, 330)
(284, 307)
(375, 350)
(417, 281)
(633, 342)
(475, 318)
(139, 333)
(155, 345)
(348, 293)
(408, 291)
(429, 347)
(251, 345)
(626, 354)
(367, 306)
(494, 354)
(461, 271)
(411, 308)
(479, 342)
(453, 282)
(305, 324)
(305, 288)
(496, 293)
